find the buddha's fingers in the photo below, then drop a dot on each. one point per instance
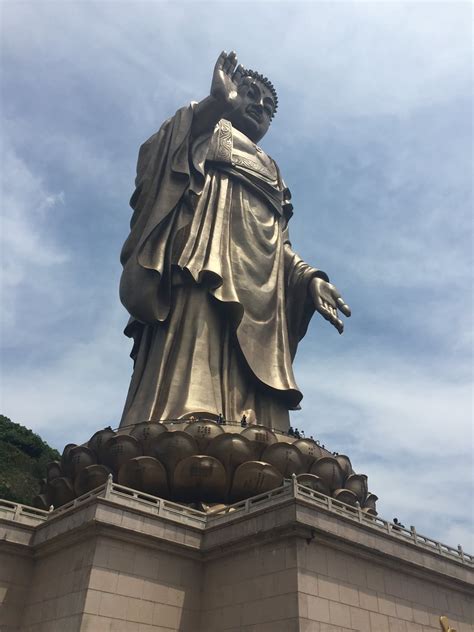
(328, 314)
(237, 76)
(345, 309)
(230, 63)
(221, 61)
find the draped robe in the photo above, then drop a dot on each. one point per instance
(218, 299)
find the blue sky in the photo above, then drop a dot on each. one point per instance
(374, 137)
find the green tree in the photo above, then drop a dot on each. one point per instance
(23, 459)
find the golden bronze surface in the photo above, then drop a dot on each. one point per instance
(310, 451)
(199, 476)
(60, 491)
(231, 450)
(172, 447)
(254, 477)
(445, 625)
(145, 433)
(285, 457)
(120, 449)
(99, 439)
(346, 496)
(218, 299)
(327, 468)
(357, 483)
(90, 478)
(218, 303)
(370, 501)
(145, 474)
(345, 464)
(79, 458)
(243, 461)
(65, 459)
(314, 482)
(204, 431)
(260, 438)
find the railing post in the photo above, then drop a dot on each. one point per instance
(108, 486)
(294, 484)
(17, 513)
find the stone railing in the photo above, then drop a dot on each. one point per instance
(381, 525)
(134, 498)
(291, 489)
(295, 490)
(22, 513)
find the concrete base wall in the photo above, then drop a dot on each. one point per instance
(303, 585)
(16, 571)
(146, 588)
(342, 591)
(255, 588)
(125, 562)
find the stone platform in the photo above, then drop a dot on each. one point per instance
(285, 561)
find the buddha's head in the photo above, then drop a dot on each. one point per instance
(258, 105)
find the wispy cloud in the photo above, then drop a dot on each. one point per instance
(80, 390)
(29, 250)
(405, 424)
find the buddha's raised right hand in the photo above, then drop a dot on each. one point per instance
(225, 81)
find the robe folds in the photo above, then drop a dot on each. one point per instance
(218, 300)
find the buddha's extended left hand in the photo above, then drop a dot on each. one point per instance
(327, 300)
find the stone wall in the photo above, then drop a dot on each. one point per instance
(58, 588)
(121, 561)
(136, 588)
(16, 569)
(254, 588)
(343, 591)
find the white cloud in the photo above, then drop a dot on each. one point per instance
(364, 58)
(369, 58)
(404, 424)
(29, 246)
(81, 390)
(402, 403)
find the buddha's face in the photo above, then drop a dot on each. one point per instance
(256, 109)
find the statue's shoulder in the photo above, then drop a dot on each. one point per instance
(179, 123)
(170, 136)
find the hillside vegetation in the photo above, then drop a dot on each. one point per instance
(23, 459)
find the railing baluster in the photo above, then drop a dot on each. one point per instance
(289, 488)
(108, 486)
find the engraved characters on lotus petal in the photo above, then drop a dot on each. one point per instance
(204, 431)
(199, 477)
